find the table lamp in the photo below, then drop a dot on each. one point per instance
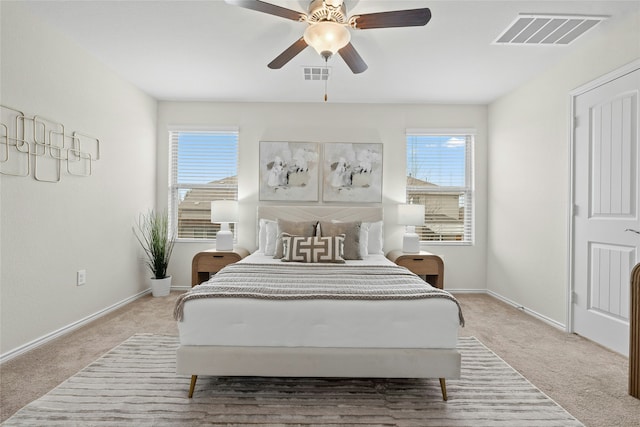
(224, 212)
(410, 216)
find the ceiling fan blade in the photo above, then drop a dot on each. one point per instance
(269, 8)
(288, 54)
(396, 18)
(353, 59)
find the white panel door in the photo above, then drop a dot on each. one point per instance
(606, 186)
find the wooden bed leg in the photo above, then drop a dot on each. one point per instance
(192, 387)
(443, 387)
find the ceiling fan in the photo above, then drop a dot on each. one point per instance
(327, 32)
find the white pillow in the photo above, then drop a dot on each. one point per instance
(375, 237)
(266, 227)
(262, 234)
(271, 238)
(364, 238)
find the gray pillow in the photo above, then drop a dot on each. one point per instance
(351, 231)
(296, 228)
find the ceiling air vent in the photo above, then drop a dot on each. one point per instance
(316, 73)
(547, 29)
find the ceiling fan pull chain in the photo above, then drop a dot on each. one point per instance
(326, 67)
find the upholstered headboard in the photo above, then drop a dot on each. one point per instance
(370, 214)
(321, 213)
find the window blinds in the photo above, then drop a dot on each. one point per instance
(439, 176)
(203, 168)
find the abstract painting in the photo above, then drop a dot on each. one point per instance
(352, 172)
(289, 171)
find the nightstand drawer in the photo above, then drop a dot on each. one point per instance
(215, 262)
(425, 264)
(420, 265)
(209, 262)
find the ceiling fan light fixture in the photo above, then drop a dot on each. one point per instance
(327, 37)
(328, 30)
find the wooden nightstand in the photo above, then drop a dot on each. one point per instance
(423, 264)
(209, 262)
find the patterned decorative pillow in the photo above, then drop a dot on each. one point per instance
(313, 249)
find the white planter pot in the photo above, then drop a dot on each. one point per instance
(161, 287)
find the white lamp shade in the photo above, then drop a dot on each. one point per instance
(327, 36)
(411, 214)
(224, 211)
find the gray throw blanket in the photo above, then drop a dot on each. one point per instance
(313, 281)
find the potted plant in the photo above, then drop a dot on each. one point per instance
(152, 231)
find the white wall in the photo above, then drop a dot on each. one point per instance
(527, 252)
(317, 122)
(49, 231)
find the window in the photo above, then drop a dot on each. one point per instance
(203, 168)
(440, 177)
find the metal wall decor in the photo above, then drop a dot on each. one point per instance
(39, 146)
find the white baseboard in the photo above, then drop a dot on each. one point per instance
(466, 291)
(533, 313)
(520, 307)
(66, 329)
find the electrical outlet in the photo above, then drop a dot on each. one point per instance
(81, 277)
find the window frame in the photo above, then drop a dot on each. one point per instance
(469, 223)
(174, 187)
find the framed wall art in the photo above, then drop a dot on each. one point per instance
(289, 171)
(352, 172)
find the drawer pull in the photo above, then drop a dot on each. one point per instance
(418, 259)
(218, 256)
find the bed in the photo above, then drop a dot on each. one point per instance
(362, 317)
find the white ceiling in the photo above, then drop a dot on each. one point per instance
(209, 50)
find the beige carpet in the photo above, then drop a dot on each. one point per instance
(135, 384)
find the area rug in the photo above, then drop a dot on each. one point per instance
(135, 384)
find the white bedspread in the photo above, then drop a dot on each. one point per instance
(421, 323)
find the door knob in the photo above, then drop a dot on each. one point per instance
(632, 230)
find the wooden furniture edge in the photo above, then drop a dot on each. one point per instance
(238, 251)
(397, 255)
(634, 334)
